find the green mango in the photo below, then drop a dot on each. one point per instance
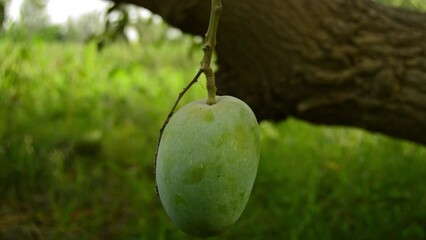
(206, 164)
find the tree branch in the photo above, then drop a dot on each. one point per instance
(352, 62)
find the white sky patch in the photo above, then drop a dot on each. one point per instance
(60, 10)
(14, 8)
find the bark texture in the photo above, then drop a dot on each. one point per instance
(337, 62)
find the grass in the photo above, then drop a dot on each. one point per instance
(78, 131)
(344, 183)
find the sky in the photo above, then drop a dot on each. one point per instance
(60, 10)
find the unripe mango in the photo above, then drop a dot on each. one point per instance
(206, 164)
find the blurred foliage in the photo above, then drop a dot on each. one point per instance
(85, 28)
(33, 16)
(49, 33)
(411, 4)
(115, 25)
(119, 23)
(123, 19)
(33, 23)
(2, 13)
(78, 131)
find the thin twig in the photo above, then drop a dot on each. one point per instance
(172, 111)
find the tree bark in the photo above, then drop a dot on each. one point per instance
(338, 62)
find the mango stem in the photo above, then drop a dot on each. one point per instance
(209, 45)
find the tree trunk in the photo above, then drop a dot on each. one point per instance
(338, 62)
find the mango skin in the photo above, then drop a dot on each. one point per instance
(207, 163)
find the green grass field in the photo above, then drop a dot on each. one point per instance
(78, 131)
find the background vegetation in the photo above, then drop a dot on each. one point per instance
(78, 130)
